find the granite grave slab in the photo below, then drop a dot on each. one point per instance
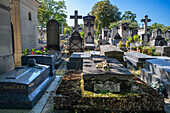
(112, 52)
(157, 70)
(22, 87)
(136, 60)
(42, 59)
(76, 60)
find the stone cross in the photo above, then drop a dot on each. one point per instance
(146, 20)
(89, 25)
(76, 17)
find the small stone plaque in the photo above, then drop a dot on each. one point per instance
(108, 86)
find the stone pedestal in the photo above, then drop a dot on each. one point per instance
(75, 42)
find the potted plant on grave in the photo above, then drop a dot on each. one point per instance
(144, 50)
(134, 48)
(25, 52)
(150, 52)
(127, 44)
(139, 49)
(120, 44)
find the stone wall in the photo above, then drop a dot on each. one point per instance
(29, 33)
(6, 51)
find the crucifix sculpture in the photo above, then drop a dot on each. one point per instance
(146, 20)
(76, 17)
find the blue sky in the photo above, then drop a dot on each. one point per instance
(157, 10)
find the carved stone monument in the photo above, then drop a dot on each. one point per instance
(89, 29)
(75, 41)
(89, 32)
(53, 41)
(124, 30)
(158, 40)
(116, 38)
(145, 36)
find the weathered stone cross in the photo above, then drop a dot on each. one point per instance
(76, 17)
(146, 20)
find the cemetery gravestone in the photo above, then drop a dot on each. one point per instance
(89, 32)
(112, 52)
(167, 34)
(124, 31)
(41, 59)
(53, 39)
(76, 60)
(157, 70)
(75, 41)
(23, 86)
(116, 80)
(145, 36)
(136, 60)
(104, 33)
(159, 40)
(116, 38)
(113, 32)
(89, 29)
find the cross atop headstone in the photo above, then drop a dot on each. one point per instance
(89, 25)
(146, 20)
(76, 17)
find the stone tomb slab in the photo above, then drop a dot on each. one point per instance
(160, 67)
(22, 87)
(157, 70)
(117, 80)
(149, 78)
(76, 60)
(41, 59)
(95, 53)
(112, 52)
(136, 60)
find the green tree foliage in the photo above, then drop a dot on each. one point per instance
(165, 28)
(156, 26)
(128, 15)
(132, 25)
(82, 32)
(68, 29)
(50, 9)
(105, 13)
